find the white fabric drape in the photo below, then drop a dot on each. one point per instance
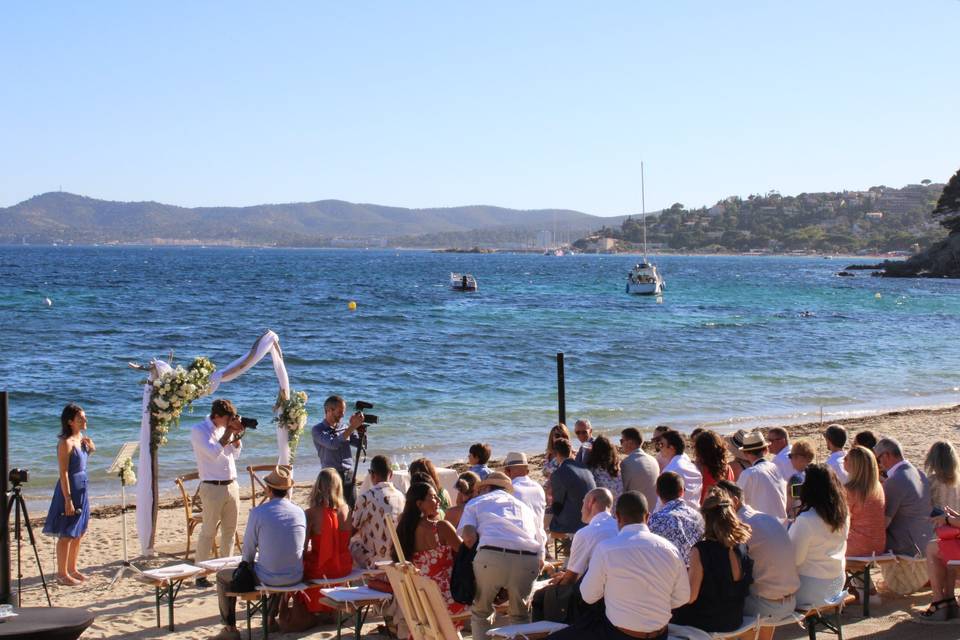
(269, 342)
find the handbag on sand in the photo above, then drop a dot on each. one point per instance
(294, 615)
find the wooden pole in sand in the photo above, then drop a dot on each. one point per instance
(561, 390)
(5, 533)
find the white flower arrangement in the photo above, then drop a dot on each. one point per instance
(292, 415)
(173, 392)
(127, 476)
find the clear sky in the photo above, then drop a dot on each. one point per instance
(518, 104)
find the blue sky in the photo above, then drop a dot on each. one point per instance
(518, 104)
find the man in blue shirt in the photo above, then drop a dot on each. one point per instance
(277, 530)
(333, 438)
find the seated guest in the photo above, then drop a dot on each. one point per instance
(510, 553)
(802, 455)
(763, 487)
(569, 484)
(326, 553)
(836, 438)
(676, 520)
(638, 468)
(941, 467)
(865, 439)
(603, 461)
(272, 543)
(600, 526)
(424, 465)
(774, 581)
(524, 489)
(468, 483)
(943, 577)
(674, 446)
(906, 494)
(428, 541)
(819, 537)
(663, 459)
(720, 574)
(865, 502)
(639, 576)
(371, 541)
(584, 432)
(779, 442)
(558, 431)
(478, 457)
(711, 460)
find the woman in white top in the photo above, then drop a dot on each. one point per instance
(819, 536)
(943, 470)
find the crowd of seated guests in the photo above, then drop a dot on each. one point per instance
(716, 546)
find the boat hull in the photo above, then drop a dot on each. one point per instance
(645, 288)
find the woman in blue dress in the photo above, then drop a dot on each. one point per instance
(70, 509)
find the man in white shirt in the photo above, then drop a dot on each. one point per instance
(763, 487)
(216, 447)
(510, 556)
(639, 575)
(779, 442)
(673, 447)
(525, 490)
(836, 438)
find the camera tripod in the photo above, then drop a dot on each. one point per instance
(16, 502)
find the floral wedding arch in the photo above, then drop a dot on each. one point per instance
(168, 390)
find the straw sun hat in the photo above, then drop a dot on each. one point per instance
(753, 441)
(281, 478)
(516, 459)
(498, 479)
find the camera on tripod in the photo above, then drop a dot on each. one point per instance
(18, 476)
(368, 418)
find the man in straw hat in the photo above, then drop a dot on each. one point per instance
(511, 551)
(764, 489)
(525, 490)
(277, 530)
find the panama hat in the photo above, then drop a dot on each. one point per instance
(753, 441)
(516, 459)
(498, 479)
(281, 478)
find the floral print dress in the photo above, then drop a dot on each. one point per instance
(437, 564)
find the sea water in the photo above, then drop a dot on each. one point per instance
(734, 341)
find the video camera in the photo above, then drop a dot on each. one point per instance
(368, 418)
(249, 423)
(18, 476)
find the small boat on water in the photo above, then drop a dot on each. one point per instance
(463, 282)
(644, 279)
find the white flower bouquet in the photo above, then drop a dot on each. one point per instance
(291, 414)
(173, 392)
(127, 476)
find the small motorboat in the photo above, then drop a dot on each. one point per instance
(463, 282)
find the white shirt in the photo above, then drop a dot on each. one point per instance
(214, 461)
(531, 494)
(764, 489)
(892, 469)
(602, 526)
(692, 480)
(818, 551)
(784, 465)
(640, 577)
(505, 522)
(835, 460)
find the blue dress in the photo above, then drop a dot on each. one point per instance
(74, 526)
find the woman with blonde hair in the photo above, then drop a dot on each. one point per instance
(941, 467)
(801, 456)
(550, 465)
(326, 552)
(866, 503)
(468, 484)
(720, 574)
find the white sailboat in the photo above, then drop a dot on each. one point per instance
(644, 279)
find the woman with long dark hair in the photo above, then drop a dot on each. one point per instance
(428, 541)
(604, 463)
(819, 536)
(712, 460)
(69, 512)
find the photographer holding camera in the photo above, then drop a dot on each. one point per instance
(334, 437)
(216, 446)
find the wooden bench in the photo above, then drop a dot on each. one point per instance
(824, 616)
(748, 630)
(859, 567)
(259, 602)
(358, 600)
(166, 583)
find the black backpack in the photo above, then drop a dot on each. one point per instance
(244, 580)
(463, 584)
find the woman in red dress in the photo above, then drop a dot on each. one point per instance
(711, 460)
(428, 541)
(326, 553)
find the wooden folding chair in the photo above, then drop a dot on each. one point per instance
(257, 484)
(193, 510)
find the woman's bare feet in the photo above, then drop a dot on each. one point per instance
(76, 575)
(67, 580)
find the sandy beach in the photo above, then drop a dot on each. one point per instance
(128, 608)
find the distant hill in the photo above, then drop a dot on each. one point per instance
(69, 218)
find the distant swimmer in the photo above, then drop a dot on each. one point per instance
(48, 302)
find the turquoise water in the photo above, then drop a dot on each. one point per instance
(734, 341)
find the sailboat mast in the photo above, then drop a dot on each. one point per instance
(643, 209)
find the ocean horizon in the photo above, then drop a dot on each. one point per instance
(735, 341)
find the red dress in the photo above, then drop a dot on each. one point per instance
(709, 481)
(437, 564)
(328, 557)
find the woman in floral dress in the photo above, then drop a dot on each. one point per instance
(604, 463)
(428, 541)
